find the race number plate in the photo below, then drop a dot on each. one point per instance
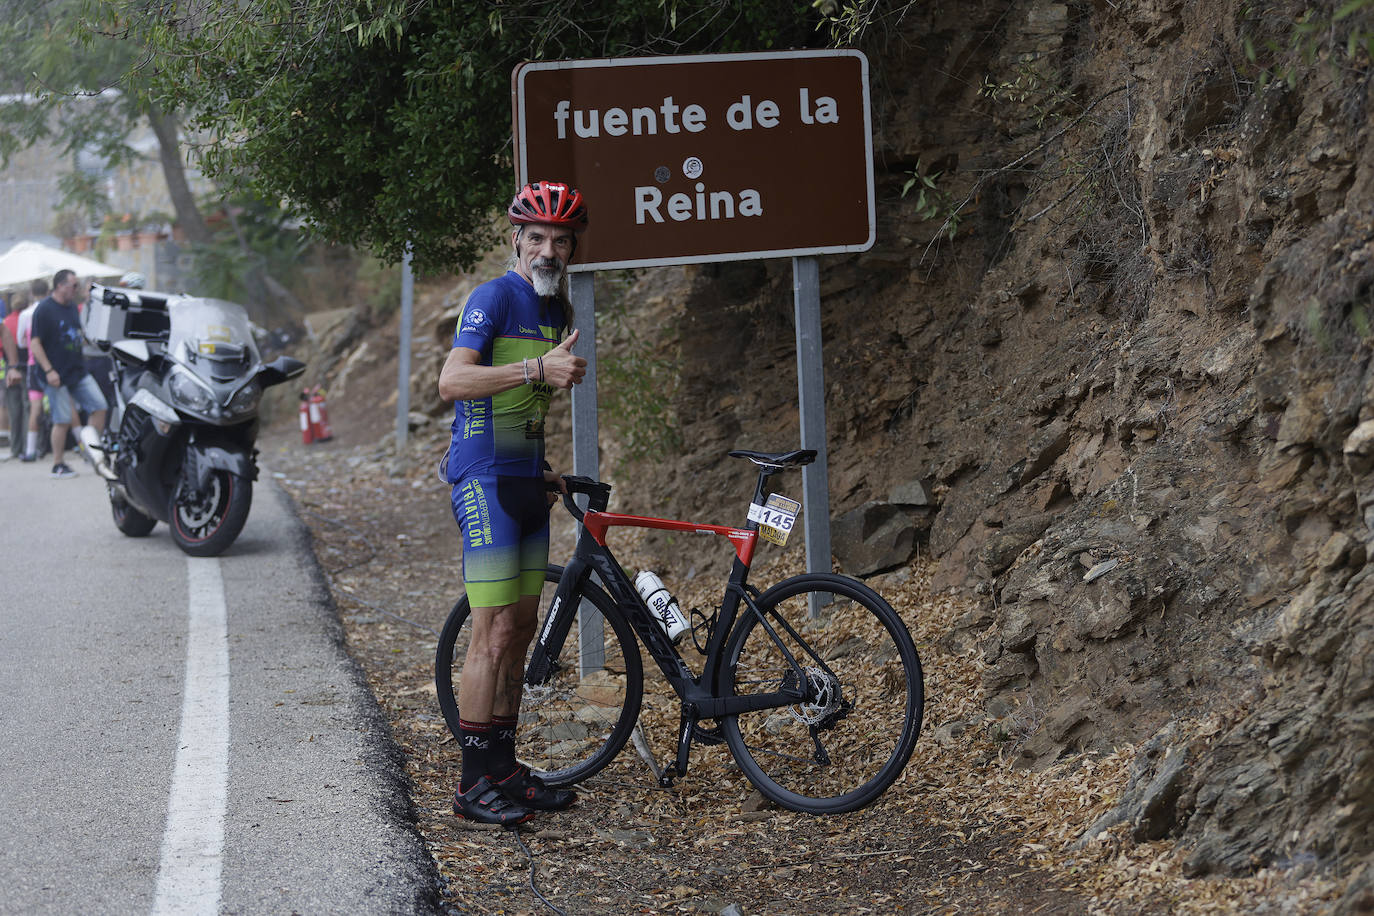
(775, 518)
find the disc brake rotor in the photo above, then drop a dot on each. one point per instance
(826, 691)
(198, 512)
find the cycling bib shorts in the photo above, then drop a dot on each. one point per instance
(505, 526)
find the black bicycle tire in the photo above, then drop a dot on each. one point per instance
(634, 677)
(869, 791)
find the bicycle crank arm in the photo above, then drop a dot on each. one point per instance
(687, 726)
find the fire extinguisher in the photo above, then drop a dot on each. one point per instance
(319, 417)
(307, 434)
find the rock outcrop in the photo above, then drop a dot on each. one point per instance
(1134, 390)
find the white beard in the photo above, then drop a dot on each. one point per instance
(546, 281)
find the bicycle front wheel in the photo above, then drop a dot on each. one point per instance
(842, 747)
(574, 724)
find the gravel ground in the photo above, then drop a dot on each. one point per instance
(962, 831)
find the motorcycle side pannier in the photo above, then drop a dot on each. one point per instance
(113, 314)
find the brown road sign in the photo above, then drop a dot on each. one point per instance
(708, 158)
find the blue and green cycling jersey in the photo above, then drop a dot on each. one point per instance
(505, 321)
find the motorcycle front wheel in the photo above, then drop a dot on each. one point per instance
(204, 524)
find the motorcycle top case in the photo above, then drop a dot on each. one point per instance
(114, 314)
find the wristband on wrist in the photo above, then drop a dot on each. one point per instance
(541, 367)
(525, 369)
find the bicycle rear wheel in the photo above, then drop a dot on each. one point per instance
(575, 724)
(842, 748)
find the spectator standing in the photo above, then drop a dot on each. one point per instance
(56, 343)
(33, 383)
(16, 372)
(14, 390)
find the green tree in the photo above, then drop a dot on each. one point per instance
(384, 123)
(83, 91)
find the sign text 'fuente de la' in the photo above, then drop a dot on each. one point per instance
(708, 158)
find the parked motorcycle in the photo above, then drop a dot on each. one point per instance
(179, 446)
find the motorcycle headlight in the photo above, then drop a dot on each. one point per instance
(245, 400)
(187, 392)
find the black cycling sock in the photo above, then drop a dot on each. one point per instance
(476, 747)
(501, 757)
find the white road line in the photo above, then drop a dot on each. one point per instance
(188, 877)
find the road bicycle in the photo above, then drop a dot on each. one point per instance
(820, 711)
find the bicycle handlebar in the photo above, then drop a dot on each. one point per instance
(598, 493)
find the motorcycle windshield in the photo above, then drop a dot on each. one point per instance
(212, 335)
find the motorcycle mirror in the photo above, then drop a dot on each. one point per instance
(281, 369)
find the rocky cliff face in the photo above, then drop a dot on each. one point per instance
(1132, 393)
(1129, 404)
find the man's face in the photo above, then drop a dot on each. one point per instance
(66, 291)
(542, 254)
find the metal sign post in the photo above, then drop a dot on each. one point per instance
(403, 356)
(806, 296)
(591, 640)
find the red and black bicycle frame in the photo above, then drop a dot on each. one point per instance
(703, 697)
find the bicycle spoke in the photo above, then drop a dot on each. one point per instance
(840, 747)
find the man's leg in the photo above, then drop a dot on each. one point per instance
(58, 439)
(87, 393)
(35, 422)
(17, 399)
(505, 707)
(480, 688)
(511, 672)
(494, 665)
(519, 784)
(63, 409)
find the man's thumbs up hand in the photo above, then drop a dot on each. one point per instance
(561, 368)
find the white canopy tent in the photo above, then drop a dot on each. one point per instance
(31, 261)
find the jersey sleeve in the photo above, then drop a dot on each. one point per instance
(481, 316)
(39, 324)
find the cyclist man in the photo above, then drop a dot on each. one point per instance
(504, 365)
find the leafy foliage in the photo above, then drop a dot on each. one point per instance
(637, 386)
(932, 201)
(851, 21)
(1279, 44)
(384, 122)
(256, 237)
(56, 76)
(84, 91)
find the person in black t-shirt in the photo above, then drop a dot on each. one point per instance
(56, 342)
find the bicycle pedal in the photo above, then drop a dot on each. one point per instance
(668, 778)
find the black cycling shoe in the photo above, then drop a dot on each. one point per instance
(486, 804)
(524, 788)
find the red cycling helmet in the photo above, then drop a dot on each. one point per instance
(549, 202)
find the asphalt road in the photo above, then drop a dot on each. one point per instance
(275, 790)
